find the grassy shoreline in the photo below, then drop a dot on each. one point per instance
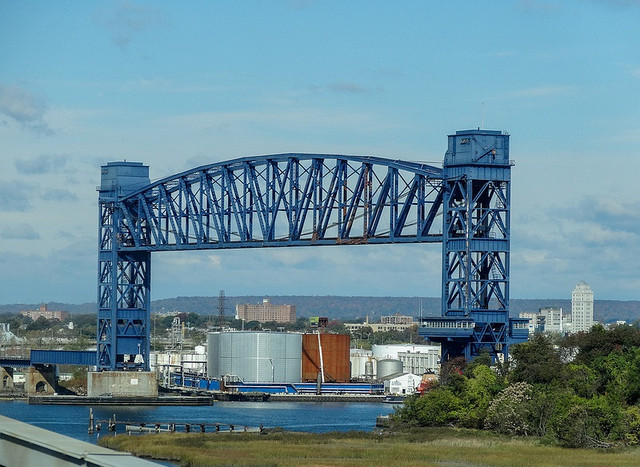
(414, 447)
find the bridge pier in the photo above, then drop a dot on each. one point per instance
(41, 379)
(6, 379)
(122, 384)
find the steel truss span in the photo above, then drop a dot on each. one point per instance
(312, 200)
(285, 200)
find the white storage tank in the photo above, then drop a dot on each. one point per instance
(255, 356)
(359, 360)
(388, 366)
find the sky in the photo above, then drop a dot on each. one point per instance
(181, 84)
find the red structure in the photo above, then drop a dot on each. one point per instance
(326, 355)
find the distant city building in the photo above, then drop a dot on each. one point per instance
(266, 312)
(397, 319)
(548, 319)
(45, 313)
(581, 308)
(552, 319)
(535, 321)
(395, 322)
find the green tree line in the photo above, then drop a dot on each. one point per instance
(580, 391)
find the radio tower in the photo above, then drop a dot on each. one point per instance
(221, 307)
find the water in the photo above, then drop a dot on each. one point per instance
(315, 417)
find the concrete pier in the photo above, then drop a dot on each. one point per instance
(122, 384)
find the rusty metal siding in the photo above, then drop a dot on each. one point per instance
(335, 357)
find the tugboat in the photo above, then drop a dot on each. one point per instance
(394, 399)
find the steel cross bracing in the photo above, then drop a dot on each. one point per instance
(266, 201)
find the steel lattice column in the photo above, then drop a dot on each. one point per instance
(123, 276)
(475, 249)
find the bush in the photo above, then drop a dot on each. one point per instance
(508, 413)
(438, 407)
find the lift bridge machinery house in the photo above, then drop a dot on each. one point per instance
(311, 200)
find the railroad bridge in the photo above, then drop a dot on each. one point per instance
(293, 200)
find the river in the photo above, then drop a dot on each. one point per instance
(316, 417)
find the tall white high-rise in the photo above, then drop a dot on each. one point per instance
(582, 307)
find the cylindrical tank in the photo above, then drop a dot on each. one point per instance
(255, 356)
(334, 359)
(368, 369)
(200, 349)
(359, 358)
(388, 366)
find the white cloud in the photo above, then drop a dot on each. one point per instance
(25, 108)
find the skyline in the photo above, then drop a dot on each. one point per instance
(176, 86)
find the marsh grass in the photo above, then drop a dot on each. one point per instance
(417, 447)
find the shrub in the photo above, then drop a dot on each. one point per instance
(508, 413)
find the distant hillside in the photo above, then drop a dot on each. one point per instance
(336, 307)
(81, 309)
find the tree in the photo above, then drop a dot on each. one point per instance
(438, 407)
(479, 388)
(537, 362)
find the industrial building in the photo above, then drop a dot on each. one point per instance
(193, 362)
(266, 312)
(421, 361)
(383, 360)
(403, 384)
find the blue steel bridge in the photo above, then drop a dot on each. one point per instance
(293, 200)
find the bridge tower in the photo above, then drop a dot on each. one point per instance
(123, 275)
(475, 249)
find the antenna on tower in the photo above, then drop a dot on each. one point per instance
(482, 118)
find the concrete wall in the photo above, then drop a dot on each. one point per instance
(122, 384)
